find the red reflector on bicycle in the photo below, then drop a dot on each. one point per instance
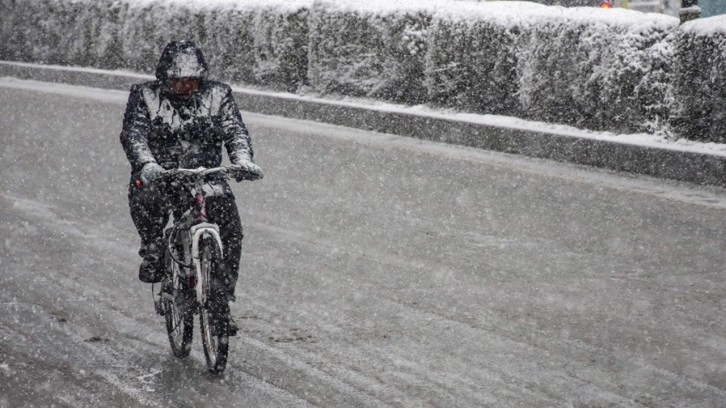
(138, 183)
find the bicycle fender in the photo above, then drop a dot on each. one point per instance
(197, 232)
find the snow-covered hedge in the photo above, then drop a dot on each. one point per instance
(599, 69)
(281, 45)
(263, 43)
(700, 81)
(474, 54)
(62, 32)
(369, 48)
(594, 68)
(258, 42)
(615, 69)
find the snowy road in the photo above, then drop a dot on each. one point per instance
(377, 271)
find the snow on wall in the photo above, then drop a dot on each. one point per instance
(617, 69)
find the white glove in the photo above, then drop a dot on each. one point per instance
(246, 170)
(150, 172)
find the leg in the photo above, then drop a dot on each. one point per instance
(222, 210)
(150, 214)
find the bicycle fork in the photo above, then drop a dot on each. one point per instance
(197, 232)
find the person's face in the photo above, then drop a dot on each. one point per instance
(183, 87)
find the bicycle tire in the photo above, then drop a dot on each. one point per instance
(178, 312)
(214, 314)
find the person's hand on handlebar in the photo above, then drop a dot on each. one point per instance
(150, 172)
(246, 170)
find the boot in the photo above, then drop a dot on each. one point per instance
(152, 266)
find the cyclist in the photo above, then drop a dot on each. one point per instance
(182, 119)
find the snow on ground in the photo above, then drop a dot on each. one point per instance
(564, 309)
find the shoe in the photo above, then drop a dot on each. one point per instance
(232, 327)
(151, 270)
(164, 296)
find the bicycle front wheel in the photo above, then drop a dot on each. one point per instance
(214, 313)
(178, 312)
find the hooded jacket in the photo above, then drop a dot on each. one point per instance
(188, 133)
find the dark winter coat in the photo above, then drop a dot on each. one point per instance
(188, 133)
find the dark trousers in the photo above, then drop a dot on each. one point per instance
(150, 209)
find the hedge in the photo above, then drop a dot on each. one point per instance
(699, 111)
(616, 70)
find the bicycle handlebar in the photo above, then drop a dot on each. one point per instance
(200, 172)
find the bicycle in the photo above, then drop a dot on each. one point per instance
(193, 257)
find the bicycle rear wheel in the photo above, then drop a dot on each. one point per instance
(178, 312)
(214, 314)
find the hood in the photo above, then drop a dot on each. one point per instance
(181, 59)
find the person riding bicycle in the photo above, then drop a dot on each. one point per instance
(182, 120)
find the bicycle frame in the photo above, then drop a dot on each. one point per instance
(193, 225)
(189, 288)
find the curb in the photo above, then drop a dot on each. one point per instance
(693, 167)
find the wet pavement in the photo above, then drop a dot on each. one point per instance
(376, 271)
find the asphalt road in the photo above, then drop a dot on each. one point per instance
(377, 271)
